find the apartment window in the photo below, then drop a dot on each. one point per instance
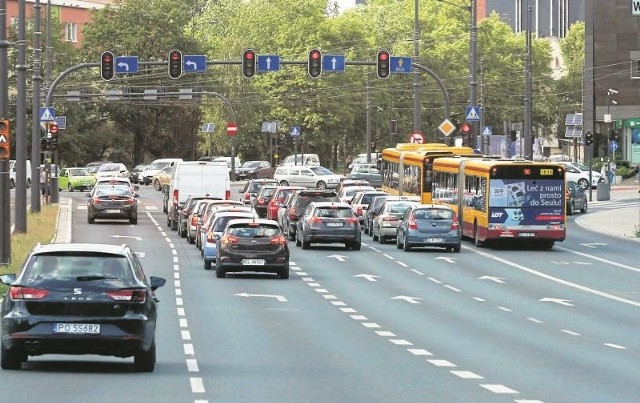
(71, 32)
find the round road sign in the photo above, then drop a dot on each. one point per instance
(53, 128)
(416, 138)
(232, 129)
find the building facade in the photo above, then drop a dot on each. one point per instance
(72, 15)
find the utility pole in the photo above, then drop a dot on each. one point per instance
(368, 119)
(20, 213)
(473, 69)
(35, 108)
(5, 216)
(416, 72)
(528, 111)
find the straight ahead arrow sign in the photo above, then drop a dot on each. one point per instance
(565, 302)
(339, 257)
(369, 277)
(411, 300)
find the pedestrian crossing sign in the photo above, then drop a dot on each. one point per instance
(486, 131)
(47, 114)
(473, 114)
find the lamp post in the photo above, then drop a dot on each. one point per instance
(416, 72)
(472, 8)
(607, 120)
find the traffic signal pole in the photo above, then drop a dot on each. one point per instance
(5, 218)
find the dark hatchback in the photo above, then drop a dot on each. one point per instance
(299, 202)
(112, 202)
(252, 188)
(253, 170)
(327, 222)
(261, 201)
(429, 225)
(576, 198)
(80, 299)
(255, 245)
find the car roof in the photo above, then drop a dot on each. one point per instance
(432, 206)
(81, 247)
(227, 213)
(331, 204)
(252, 220)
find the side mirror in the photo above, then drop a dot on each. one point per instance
(8, 279)
(157, 282)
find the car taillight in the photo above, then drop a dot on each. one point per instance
(131, 201)
(95, 200)
(194, 220)
(229, 239)
(278, 240)
(210, 237)
(132, 295)
(19, 293)
(175, 197)
(352, 220)
(315, 220)
(247, 196)
(359, 211)
(227, 195)
(261, 201)
(292, 213)
(412, 223)
(455, 225)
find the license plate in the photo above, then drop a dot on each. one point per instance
(76, 328)
(334, 224)
(112, 211)
(253, 262)
(435, 240)
(528, 234)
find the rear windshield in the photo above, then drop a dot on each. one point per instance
(432, 214)
(221, 222)
(254, 231)
(366, 198)
(332, 212)
(397, 207)
(303, 201)
(268, 191)
(56, 267)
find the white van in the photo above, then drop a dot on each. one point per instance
(301, 159)
(12, 173)
(156, 166)
(196, 178)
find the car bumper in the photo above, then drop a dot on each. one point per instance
(441, 240)
(111, 213)
(332, 236)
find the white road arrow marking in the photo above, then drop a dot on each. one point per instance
(593, 244)
(369, 277)
(125, 65)
(494, 279)
(448, 259)
(137, 238)
(411, 300)
(339, 257)
(278, 297)
(561, 262)
(565, 302)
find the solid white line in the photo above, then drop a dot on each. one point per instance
(599, 259)
(183, 322)
(185, 335)
(570, 332)
(616, 346)
(385, 333)
(401, 342)
(188, 349)
(419, 351)
(527, 401)
(498, 388)
(196, 385)
(442, 363)
(466, 375)
(192, 365)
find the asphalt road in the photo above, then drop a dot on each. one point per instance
(376, 325)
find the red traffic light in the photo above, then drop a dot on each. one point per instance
(107, 68)
(175, 64)
(314, 63)
(315, 55)
(248, 63)
(383, 69)
(249, 54)
(465, 128)
(53, 128)
(5, 140)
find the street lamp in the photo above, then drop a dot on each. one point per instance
(472, 8)
(607, 120)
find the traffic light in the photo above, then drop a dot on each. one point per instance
(588, 138)
(53, 130)
(513, 135)
(393, 128)
(44, 144)
(315, 63)
(248, 63)
(382, 64)
(5, 140)
(614, 134)
(175, 64)
(107, 69)
(465, 129)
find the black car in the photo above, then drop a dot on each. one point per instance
(261, 201)
(576, 198)
(256, 245)
(252, 188)
(112, 201)
(299, 202)
(134, 174)
(253, 170)
(76, 299)
(328, 222)
(370, 213)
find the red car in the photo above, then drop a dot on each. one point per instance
(278, 198)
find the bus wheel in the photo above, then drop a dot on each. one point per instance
(476, 236)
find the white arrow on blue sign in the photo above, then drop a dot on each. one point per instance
(399, 64)
(126, 64)
(295, 131)
(473, 114)
(47, 114)
(194, 63)
(267, 63)
(334, 63)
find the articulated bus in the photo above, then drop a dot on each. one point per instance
(406, 168)
(499, 200)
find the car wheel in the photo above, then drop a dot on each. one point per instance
(305, 244)
(406, 246)
(28, 183)
(399, 244)
(174, 225)
(207, 265)
(133, 220)
(571, 209)
(12, 184)
(220, 272)
(297, 237)
(476, 236)
(373, 234)
(168, 221)
(145, 361)
(584, 207)
(90, 219)
(284, 273)
(321, 185)
(284, 183)
(357, 245)
(10, 359)
(70, 188)
(156, 185)
(456, 249)
(583, 183)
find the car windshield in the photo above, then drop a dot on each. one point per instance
(156, 166)
(78, 172)
(321, 171)
(367, 197)
(268, 191)
(432, 214)
(109, 167)
(103, 191)
(251, 164)
(397, 208)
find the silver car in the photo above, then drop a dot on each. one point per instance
(315, 177)
(386, 222)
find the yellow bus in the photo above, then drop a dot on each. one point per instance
(499, 199)
(406, 168)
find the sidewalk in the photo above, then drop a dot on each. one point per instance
(622, 221)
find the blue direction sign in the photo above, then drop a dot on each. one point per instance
(267, 63)
(473, 114)
(194, 63)
(62, 122)
(400, 64)
(47, 114)
(295, 131)
(126, 64)
(334, 63)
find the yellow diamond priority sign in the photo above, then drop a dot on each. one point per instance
(447, 127)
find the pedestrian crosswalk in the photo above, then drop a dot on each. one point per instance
(613, 204)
